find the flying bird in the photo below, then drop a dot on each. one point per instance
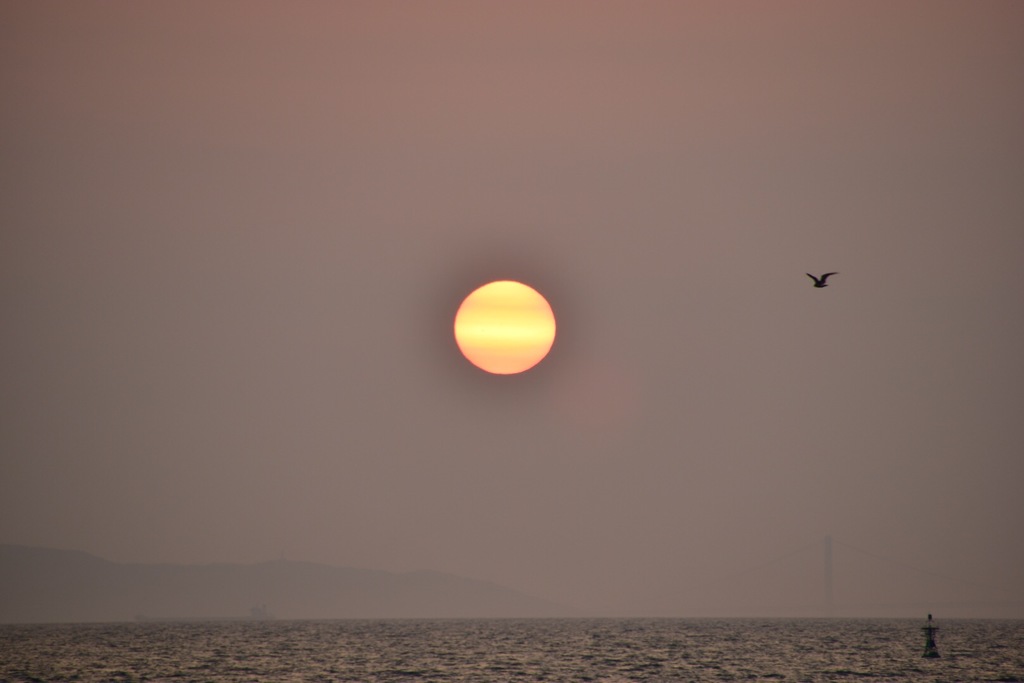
(820, 281)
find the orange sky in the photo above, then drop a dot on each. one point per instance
(235, 236)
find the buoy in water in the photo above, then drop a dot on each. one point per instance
(930, 650)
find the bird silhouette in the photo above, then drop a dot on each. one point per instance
(820, 281)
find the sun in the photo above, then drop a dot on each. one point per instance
(505, 327)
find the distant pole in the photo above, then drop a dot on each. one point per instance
(828, 576)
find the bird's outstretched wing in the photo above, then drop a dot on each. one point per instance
(820, 281)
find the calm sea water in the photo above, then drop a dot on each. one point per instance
(513, 650)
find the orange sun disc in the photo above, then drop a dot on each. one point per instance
(505, 327)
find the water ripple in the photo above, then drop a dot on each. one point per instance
(505, 651)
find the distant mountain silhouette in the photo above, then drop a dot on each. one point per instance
(47, 585)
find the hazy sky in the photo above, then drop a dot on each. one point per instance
(234, 237)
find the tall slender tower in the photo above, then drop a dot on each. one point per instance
(829, 608)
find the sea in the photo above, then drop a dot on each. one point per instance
(501, 650)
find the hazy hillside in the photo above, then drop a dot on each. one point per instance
(46, 585)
